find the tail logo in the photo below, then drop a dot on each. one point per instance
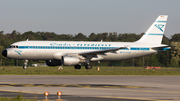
(159, 26)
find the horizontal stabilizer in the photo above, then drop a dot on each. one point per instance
(162, 48)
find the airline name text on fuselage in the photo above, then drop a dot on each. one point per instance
(65, 44)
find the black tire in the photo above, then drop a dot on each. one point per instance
(77, 66)
(88, 66)
(24, 67)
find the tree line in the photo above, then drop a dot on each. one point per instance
(166, 59)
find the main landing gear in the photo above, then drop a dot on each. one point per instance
(25, 64)
(87, 66)
(77, 66)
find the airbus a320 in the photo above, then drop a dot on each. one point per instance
(73, 53)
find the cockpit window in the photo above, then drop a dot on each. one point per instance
(13, 46)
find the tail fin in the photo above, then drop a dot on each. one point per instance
(155, 32)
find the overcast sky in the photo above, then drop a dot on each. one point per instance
(87, 16)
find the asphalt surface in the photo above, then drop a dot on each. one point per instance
(96, 88)
(64, 97)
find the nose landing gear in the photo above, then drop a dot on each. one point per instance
(25, 64)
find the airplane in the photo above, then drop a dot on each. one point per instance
(73, 53)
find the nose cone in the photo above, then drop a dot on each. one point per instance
(4, 53)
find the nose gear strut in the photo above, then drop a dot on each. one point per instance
(25, 64)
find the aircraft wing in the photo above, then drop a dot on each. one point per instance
(100, 51)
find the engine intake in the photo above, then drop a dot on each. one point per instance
(69, 60)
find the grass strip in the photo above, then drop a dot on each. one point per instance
(17, 98)
(69, 70)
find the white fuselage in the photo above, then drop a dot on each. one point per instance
(53, 50)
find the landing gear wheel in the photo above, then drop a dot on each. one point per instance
(25, 64)
(77, 66)
(88, 66)
(24, 67)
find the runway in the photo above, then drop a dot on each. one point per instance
(97, 88)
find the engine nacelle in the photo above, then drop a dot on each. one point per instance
(69, 60)
(53, 62)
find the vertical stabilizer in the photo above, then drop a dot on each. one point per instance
(155, 32)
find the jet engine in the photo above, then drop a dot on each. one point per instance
(53, 62)
(69, 60)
